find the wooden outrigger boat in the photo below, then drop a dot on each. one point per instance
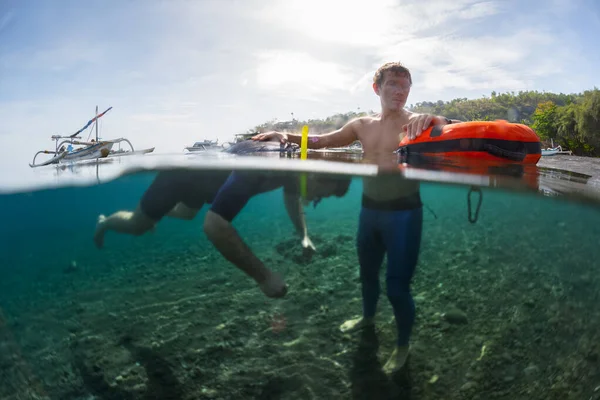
(550, 151)
(93, 149)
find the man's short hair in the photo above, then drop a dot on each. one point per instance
(395, 68)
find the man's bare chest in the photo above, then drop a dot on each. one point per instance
(381, 141)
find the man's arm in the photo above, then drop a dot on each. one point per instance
(228, 202)
(229, 243)
(417, 123)
(293, 205)
(338, 138)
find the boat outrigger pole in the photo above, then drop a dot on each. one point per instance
(92, 121)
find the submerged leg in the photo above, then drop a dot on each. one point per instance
(181, 211)
(161, 197)
(371, 251)
(132, 223)
(402, 236)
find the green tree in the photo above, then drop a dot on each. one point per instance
(588, 120)
(544, 120)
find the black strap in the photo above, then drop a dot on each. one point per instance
(473, 219)
(503, 153)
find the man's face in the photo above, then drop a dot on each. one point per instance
(393, 91)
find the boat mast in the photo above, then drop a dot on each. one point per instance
(96, 123)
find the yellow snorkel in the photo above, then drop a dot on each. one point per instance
(303, 155)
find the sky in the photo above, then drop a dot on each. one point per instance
(178, 71)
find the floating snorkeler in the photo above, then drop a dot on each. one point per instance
(391, 213)
(182, 193)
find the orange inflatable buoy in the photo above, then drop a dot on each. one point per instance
(481, 140)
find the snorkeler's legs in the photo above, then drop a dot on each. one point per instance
(401, 231)
(132, 223)
(371, 251)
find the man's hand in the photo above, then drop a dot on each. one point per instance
(307, 244)
(308, 248)
(273, 286)
(282, 137)
(418, 124)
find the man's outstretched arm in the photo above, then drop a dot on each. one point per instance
(338, 138)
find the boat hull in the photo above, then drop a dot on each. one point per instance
(98, 150)
(130, 153)
(549, 152)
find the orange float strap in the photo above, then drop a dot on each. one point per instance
(481, 140)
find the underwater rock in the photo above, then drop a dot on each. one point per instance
(327, 250)
(455, 316)
(531, 371)
(71, 267)
(529, 303)
(291, 249)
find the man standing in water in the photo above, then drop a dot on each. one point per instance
(391, 213)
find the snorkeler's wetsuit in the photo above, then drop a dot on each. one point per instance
(240, 187)
(193, 188)
(228, 192)
(393, 227)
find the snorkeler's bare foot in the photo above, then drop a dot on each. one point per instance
(99, 233)
(397, 360)
(353, 325)
(274, 286)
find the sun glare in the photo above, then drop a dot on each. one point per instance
(336, 20)
(299, 70)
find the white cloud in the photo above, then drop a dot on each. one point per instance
(438, 40)
(294, 71)
(383, 31)
(335, 21)
(479, 10)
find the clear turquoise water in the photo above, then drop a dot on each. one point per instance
(165, 316)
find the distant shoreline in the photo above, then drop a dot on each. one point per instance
(582, 165)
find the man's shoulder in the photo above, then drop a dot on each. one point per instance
(369, 118)
(365, 121)
(410, 114)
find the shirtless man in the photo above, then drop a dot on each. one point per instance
(391, 213)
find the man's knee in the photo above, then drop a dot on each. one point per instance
(141, 223)
(401, 301)
(398, 287)
(369, 273)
